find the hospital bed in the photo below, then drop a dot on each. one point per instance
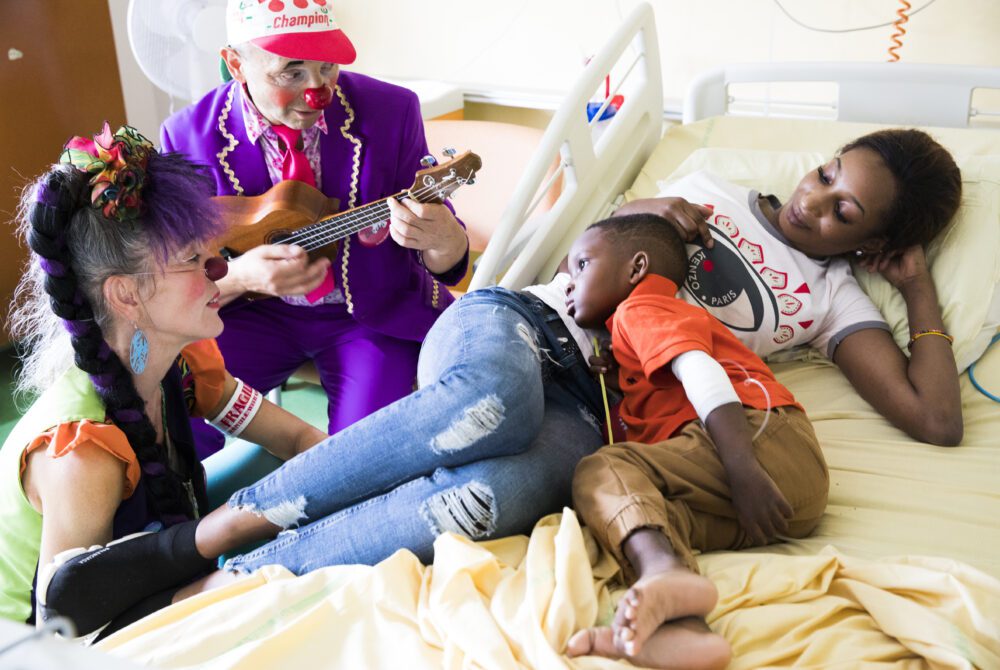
(904, 570)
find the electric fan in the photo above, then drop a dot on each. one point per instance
(176, 43)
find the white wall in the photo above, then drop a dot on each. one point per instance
(145, 105)
(531, 49)
(527, 52)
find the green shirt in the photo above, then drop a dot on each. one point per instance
(71, 398)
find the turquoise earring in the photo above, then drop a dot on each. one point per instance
(138, 351)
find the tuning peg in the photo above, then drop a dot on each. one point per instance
(449, 152)
(428, 161)
(471, 181)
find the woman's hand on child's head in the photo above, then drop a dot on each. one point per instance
(898, 267)
(760, 506)
(690, 220)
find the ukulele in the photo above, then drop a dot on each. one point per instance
(293, 212)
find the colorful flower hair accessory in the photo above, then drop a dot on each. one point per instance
(116, 164)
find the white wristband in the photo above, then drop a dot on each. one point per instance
(240, 410)
(705, 382)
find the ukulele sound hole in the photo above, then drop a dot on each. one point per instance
(277, 236)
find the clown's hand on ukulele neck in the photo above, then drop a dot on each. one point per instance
(293, 212)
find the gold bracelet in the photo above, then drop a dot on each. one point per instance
(932, 331)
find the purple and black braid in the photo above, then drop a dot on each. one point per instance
(58, 198)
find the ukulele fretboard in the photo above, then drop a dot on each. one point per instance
(337, 227)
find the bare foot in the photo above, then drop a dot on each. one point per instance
(685, 643)
(657, 598)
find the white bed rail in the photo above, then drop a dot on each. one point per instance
(896, 93)
(596, 160)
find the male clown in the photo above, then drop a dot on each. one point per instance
(290, 113)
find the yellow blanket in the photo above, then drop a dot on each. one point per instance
(513, 603)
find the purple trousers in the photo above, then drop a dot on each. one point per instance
(361, 370)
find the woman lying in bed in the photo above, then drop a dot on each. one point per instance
(777, 273)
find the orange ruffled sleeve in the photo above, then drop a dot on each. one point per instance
(67, 437)
(204, 374)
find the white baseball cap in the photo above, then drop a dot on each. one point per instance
(296, 29)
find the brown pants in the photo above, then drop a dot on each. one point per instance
(680, 486)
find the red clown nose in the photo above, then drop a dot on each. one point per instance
(318, 98)
(216, 268)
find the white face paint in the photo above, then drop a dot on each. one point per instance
(277, 85)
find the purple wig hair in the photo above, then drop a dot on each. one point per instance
(76, 248)
(177, 204)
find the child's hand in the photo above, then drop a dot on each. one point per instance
(689, 219)
(603, 363)
(760, 506)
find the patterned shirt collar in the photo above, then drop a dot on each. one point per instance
(257, 125)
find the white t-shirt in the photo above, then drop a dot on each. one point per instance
(771, 296)
(553, 294)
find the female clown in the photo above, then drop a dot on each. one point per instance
(117, 311)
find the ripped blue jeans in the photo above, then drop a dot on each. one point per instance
(484, 448)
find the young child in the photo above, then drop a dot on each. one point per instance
(777, 272)
(720, 455)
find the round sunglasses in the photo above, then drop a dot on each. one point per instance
(215, 269)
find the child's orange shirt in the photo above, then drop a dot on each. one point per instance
(651, 328)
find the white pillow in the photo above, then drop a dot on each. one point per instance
(964, 260)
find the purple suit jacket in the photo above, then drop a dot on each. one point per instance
(391, 291)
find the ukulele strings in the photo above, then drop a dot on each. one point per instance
(318, 234)
(321, 233)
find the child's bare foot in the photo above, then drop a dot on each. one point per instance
(685, 643)
(657, 598)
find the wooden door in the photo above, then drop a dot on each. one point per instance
(58, 78)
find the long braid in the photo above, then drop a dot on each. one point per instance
(61, 199)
